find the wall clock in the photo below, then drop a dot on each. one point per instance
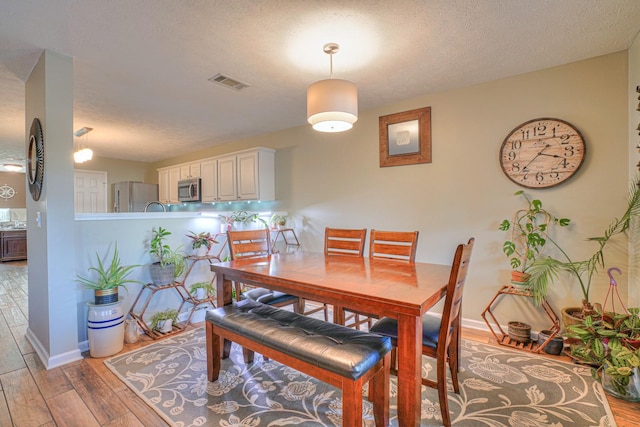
(542, 153)
(35, 160)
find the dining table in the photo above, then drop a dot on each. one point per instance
(404, 291)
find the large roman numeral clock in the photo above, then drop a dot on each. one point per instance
(542, 153)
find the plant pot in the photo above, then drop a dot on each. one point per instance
(554, 346)
(519, 332)
(518, 277)
(165, 326)
(105, 329)
(201, 293)
(622, 389)
(162, 275)
(201, 251)
(105, 296)
(569, 317)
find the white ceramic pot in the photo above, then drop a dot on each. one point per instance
(164, 326)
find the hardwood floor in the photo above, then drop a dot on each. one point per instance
(86, 393)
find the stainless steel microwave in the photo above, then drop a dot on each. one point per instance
(189, 190)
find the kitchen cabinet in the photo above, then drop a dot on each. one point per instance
(163, 185)
(209, 181)
(174, 177)
(189, 171)
(13, 245)
(168, 184)
(247, 175)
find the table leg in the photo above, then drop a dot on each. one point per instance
(409, 370)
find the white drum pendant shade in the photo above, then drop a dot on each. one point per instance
(332, 105)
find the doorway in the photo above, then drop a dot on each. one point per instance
(90, 191)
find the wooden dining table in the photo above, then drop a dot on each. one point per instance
(382, 287)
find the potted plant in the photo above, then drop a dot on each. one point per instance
(109, 277)
(163, 321)
(544, 270)
(202, 290)
(201, 242)
(169, 263)
(278, 221)
(244, 217)
(611, 343)
(528, 236)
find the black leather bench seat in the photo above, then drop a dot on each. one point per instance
(341, 350)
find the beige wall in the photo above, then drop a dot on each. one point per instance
(335, 179)
(118, 171)
(18, 182)
(634, 165)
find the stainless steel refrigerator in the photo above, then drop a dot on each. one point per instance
(130, 196)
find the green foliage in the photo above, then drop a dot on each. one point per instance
(113, 276)
(280, 220)
(528, 229)
(243, 217)
(607, 342)
(164, 254)
(164, 315)
(207, 286)
(544, 270)
(201, 239)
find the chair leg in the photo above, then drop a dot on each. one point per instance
(454, 366)
(326, 312)
(441, 385)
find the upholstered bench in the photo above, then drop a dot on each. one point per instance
(340, 356)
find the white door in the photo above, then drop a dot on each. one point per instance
(90, 191)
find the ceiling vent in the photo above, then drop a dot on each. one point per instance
(228, 82)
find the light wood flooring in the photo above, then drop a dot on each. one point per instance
(86, 393)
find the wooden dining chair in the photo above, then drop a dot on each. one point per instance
(392, 245)
(256, 243)
(340, 241)
(440, 334)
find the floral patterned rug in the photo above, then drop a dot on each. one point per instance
(498, 387)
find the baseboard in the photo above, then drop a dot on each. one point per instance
(48, 361)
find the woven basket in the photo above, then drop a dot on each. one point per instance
(519, 332)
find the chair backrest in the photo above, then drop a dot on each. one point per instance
(396, 245)
(342, 241)
(249, 243)
(453, 299)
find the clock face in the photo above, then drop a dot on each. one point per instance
(542, 153)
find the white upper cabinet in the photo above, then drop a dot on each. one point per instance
(243, 175)
(209, 180)
(189, 171)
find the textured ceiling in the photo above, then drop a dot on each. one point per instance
(141, 67)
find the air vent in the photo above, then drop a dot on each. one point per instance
(228, 82)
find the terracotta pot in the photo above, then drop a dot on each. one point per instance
(569, 318)
(518, 277)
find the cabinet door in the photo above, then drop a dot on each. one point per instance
(14, 245)
(248, 186)
(209, 180)
(163, 186)
(195, 170)
(174, 177)
(227, 178)
(184, 172)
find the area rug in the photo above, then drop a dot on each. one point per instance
(498, 387)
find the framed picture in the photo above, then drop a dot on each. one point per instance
(405, 138)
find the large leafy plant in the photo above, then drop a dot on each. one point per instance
(544, 270)
(163, 253)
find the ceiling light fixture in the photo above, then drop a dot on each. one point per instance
(12, 167)
(332, 104)
(83, 153)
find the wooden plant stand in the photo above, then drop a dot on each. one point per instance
(503, 338)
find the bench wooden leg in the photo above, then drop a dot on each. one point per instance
(248, 355)
(213, 353)
(352, 403)
(379, 390)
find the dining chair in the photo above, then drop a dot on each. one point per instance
(392, 245)
(256, 243)
(440, 334)
(340, 241)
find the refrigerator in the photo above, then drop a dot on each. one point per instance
(132, 196)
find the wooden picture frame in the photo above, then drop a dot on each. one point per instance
(405, 138)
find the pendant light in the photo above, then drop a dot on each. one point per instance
(84, 153)
(332, 104)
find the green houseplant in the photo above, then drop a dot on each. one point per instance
(204, 239)
(109, 277)
(611, 343)
(528, 236)
(278, 221)
(163, 321)
(202, 290)
(169, 264)
(544, 270)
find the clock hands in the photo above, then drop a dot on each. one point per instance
(537, 155)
